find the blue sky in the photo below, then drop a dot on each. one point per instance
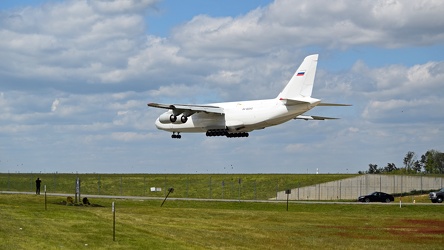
(75, 77)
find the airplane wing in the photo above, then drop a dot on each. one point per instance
(313, 117)
(181, 108)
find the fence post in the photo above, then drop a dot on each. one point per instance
(45, 198)
(164, 185)
(255, 194)
(54, 182)
(232, 189)
(144, 186)
(277, 189)
(240, 181)
(98, 184)
(114, 221)
(223, 186)
(210, 189)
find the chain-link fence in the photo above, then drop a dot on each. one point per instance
(204, 186)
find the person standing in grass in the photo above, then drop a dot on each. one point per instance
(37, 185)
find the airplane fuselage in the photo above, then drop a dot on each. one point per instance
(244, 116)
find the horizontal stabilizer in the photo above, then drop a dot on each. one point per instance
(300, 100)
(332, 104)
(313, 117)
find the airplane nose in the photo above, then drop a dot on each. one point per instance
(158, 124)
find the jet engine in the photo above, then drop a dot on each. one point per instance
(166, 118)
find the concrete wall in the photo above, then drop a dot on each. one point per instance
(352, 188)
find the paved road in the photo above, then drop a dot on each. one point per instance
(220, 200)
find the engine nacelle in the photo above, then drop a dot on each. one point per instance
(183, 119)
(166, 118)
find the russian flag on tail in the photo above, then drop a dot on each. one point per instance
(300, 73)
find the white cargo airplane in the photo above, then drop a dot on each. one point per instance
(236, 119)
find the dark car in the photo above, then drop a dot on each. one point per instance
(437, 196)
(377, 197)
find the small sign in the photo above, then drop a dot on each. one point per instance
(113, 207)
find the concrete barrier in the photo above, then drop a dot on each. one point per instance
(352, 188)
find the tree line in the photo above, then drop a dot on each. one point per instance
(432, 162)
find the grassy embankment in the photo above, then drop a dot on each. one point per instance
(25, 224)
(213, 186)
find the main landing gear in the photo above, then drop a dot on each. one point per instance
(233, 135)
(174, 136)
(215, 132)
(224, 132)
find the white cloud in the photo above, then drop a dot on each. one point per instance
(71, 40)
(105, 41)
(336, 24)
(121, 6)
(398, 110)
(403, 94)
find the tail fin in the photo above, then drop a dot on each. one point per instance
(301, 84)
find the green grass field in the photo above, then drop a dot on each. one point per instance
(25, 224)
